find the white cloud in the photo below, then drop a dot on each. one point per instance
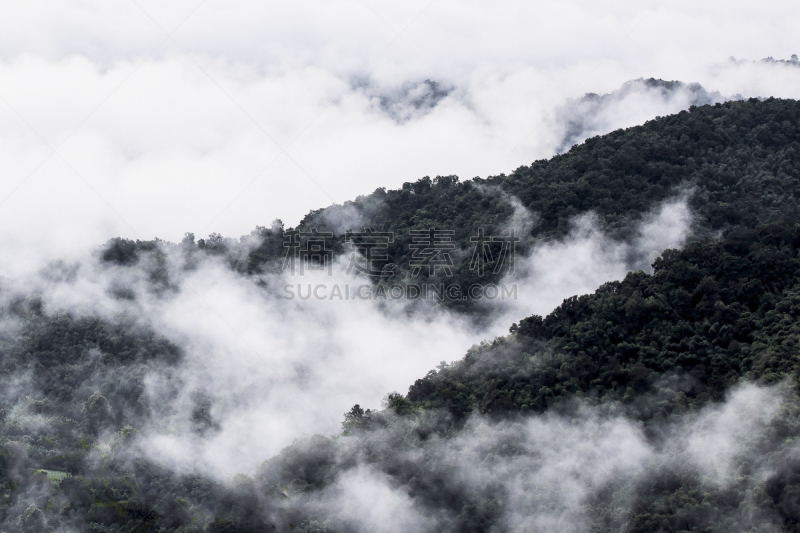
(274, 369)
(586, 259)
(720, 439)
(552, 472)
(366, 499)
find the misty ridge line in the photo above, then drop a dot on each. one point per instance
(591, 109)
(575, 133)
(605, 129)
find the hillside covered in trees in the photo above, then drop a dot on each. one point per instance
(661, 402)
(735, 161)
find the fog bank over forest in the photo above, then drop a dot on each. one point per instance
(419, 266)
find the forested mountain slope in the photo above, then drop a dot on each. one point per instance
(651, 370)
(594, 418)
(738, 164)
(710, 315)
(741, 160)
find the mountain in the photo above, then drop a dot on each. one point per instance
(735, 161)
(661, 402)
(659, 351)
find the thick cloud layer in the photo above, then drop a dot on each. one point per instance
(156, 136)
(273, 357)
(557, 473)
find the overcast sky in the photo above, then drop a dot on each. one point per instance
(148, 118)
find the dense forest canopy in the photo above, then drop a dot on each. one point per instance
(627, 376)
